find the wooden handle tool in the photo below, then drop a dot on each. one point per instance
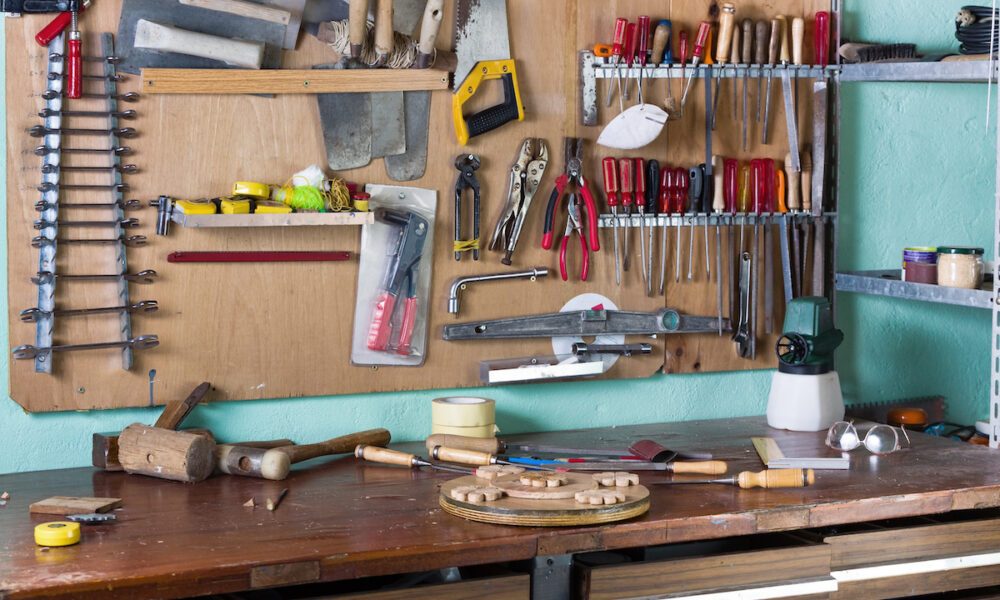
(167, 38)
(276, 463)
(429, 26)
(793, 182)
(242, 8)
(718, 192)
(166, 454)
(176, 411)
(785, 53)
(473, 457)
(490, 445)
(338, 445)
(769, 478)
(805, 160)
(395, 457)
(798, 32)
(383, 31)
(727, 21)
(704, 467)
(661, 37)
(357, 26)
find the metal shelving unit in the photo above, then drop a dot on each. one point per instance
(889, 283)
(886, 283)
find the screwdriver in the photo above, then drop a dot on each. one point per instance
(696, 55)
(74, 68)
(769, 478)
(760, 58)
(473, 457)
(618, 42)
(639, 175)
(705, 207)
(770, 192)
(772, 58)
(821, 38)
(682, 49)
(652, 196)
(726, 23)
(680, 198)
(718, 205)
(731, 184)
(793, 179)
(747, 56)
(666, 196)
(758, 195)
(734, 57)
(629, 55)
(696, 183)
(798, 31)
(385, 456)
(626, 187)
(642, 45)
(611, 192)
(743, 200)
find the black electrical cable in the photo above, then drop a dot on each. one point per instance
(973, 27)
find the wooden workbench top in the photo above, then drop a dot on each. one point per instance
(343, 518)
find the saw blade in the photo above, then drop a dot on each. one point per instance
(480, 34)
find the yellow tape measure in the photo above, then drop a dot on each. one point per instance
(57, 533)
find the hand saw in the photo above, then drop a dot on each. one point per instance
(483, 49)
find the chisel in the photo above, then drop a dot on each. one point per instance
(774, 44)
(747, 59)
(394, 457)
(770, 479)
(798, 31)
(786, 91)
(474, 457)
(760, 59)
(718, 205)
(727, 20)
(734, 57)
(494, 445)
(652, 198)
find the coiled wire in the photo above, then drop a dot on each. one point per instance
(975, 29)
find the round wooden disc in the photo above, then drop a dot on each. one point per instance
(560, 512)
(577, 482)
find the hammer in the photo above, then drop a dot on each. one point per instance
(104, 452)
(276, 463)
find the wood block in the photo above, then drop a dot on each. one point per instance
(70, 505)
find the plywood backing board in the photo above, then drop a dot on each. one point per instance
(283, 330)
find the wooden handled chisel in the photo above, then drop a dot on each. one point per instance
(770, 479)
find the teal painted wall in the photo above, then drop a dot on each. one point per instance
(912, 155)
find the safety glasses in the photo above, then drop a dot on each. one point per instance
(880, 439)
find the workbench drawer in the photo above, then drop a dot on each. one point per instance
(510, 587)
(775, 565)
(938, 554)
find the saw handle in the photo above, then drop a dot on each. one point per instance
(465, 457)
(490, 445)
(776, 478)
(511, 109)
(705, 467)
(384, 455)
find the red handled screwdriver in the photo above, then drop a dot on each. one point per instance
(625, 167)
(696, 55)
(642, 46)
(611, 192)
(618, 43)
(821, 38)
(666, 194)
(680, 197)
(629, 56)
(640, 203)
(682, 49)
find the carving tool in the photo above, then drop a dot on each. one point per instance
(786, 90)
(727, 21)
(731, 184)
(627, 177)
(770, 479)
(583, 323)
(628, 56)
(617, 48)
(661, 54)
(735, 58)
(747, 58)
(665, 200)
(610, 170)
(386, 456)
(650, 450)
(696, 55)
(793, 179)
(770, 193)
(806, 224)
(760, 58)
(718, 205)
(639, 174)
(774, 44)
(652, 198)
(474, 457)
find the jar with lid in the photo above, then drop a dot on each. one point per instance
(960, 266)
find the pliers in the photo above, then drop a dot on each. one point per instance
(525, 175)
(467, 165)
(573, 174)
(574, 224)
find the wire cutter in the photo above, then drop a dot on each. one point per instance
(573, 174)
(574, 224)
(467, 165)
(525, 175)
(411, 234)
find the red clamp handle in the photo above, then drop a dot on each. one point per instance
(74, 67)
(640, 183)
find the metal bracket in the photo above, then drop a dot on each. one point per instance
(551, 577)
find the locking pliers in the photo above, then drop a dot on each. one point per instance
(525, 176)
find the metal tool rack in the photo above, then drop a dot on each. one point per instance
(888, 282)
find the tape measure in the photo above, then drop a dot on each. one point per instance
(57, 533)
(253, 189)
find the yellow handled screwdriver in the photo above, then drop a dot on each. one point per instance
(769, 478)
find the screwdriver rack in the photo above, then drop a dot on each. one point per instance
(47, 252)
(713, 219)
(594, 67)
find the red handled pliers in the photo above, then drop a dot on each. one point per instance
(573, 174)
(573, 224)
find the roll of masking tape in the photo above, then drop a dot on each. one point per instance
(482, 431)
(473, 415)
(57, 533)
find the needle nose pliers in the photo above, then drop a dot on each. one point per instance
(573, 174)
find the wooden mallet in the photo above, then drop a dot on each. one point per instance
(277, 462)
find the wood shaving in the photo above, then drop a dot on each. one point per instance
(250, 503)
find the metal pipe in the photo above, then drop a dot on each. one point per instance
(461, 282)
